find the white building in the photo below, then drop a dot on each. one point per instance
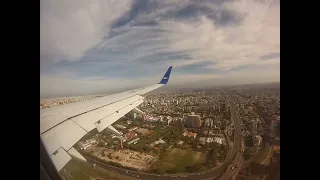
(160, 141)
(202, 140)
(87, 143)
(134, 141)
(209, 140)
(180, 143)
(218, 140)
(257, 140)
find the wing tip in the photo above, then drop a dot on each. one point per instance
(166, 76)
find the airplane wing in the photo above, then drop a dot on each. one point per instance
(62, 126)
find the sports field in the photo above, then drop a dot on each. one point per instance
(177, 159)
(76, 169)
(263, 155)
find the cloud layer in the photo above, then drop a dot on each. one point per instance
(126, 41)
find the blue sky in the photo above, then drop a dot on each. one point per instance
(101, 46)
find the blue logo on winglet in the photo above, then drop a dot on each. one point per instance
(166, 76)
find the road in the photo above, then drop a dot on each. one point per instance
(216, 173)
(234, 167)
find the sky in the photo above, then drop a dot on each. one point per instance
(102, 46)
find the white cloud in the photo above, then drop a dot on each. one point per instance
(226, 47)
(69, 28)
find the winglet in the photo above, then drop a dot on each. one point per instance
(166, 76)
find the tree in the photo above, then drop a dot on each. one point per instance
(194, 144)
(246, 155)
(109, 155)
(100, 144)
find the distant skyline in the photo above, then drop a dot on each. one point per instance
(102, 46)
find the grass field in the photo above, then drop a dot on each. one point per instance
(262, 154)
(83, 171)
(177, 159)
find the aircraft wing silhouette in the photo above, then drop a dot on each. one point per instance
(62, 126)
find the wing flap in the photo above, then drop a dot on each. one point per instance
(102, 124)
(113, 130)
(73, 152)
(60, 158)
(63, 135)
(87, 120)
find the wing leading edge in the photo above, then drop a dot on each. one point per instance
(62, 126)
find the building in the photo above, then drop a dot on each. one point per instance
(223, 107)
(129, 122)
(193, 121)
(254, 124)
(121, 138)
(87, 143)
(134, 140)
(248, 110)
(92, 141)
(120, 126)
(132, 129)
(160, 141)
(257, 140)
(202, 140)
(190, 134)
(209, 140)
(274, 124)
(150, 118)
(134, 115)
(180, 143)
(130, 135)
(242, 145)
(142, 130)
(219, 140)
(211, 133)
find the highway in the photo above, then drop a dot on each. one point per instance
(234, 167)
(233, 159)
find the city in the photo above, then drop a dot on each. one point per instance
(228, 133)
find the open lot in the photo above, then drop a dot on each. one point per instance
(125, 157)
(82, 170)
(177, 159)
